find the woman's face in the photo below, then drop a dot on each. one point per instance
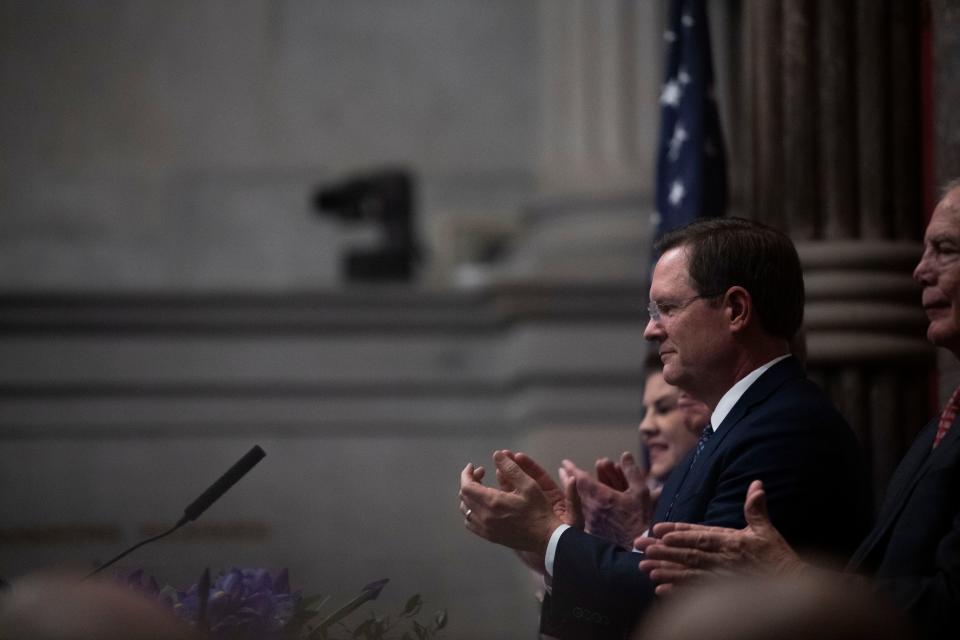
(671, 424)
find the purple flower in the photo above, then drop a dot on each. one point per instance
(139, 582)
(243, 603)
(145, 585)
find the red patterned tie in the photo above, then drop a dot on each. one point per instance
(947, 417)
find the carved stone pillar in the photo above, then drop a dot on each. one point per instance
(834, 128)
(601, 78)
(865, 341)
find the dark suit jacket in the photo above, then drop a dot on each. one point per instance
(913, 551)
(783, 431)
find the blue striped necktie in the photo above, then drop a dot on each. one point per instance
(705, 435)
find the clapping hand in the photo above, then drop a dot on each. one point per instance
(680, 552)
(617, 505)
(523, 512)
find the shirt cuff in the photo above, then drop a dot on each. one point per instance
(552, 548)
(645, 534)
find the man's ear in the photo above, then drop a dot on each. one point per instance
(739, 308)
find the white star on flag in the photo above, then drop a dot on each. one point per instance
(671, 94)
(676, 141)
(676, 193)
(691, 164)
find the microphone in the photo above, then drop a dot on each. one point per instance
(222, 485)
(198, 506)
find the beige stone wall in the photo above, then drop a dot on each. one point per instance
(176, 145)
(115, 413)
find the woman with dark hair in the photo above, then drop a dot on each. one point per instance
(671, 425)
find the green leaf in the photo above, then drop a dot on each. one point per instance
(420, 630)
(316, 633)
(169, 593)
(440, 620)
(302, 617)
(413, 605)
(313, 603)
(364, 628)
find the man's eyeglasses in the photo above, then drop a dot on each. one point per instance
(659, 310)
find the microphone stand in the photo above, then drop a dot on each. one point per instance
(198, 506)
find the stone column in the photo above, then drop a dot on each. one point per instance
(601, 77)
(835, 132)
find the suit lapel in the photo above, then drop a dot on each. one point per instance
(771, 380)
(672, 487)
(760, 390)
(948, 445)
(914, 466)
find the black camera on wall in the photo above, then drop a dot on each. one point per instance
(385, 198)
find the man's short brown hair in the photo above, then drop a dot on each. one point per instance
(728, 252)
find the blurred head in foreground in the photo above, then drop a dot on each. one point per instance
(816, 605)
(61, 607)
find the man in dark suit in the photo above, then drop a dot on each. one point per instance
(913, 552)
(726, 299)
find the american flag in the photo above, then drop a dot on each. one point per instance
(691, 163)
